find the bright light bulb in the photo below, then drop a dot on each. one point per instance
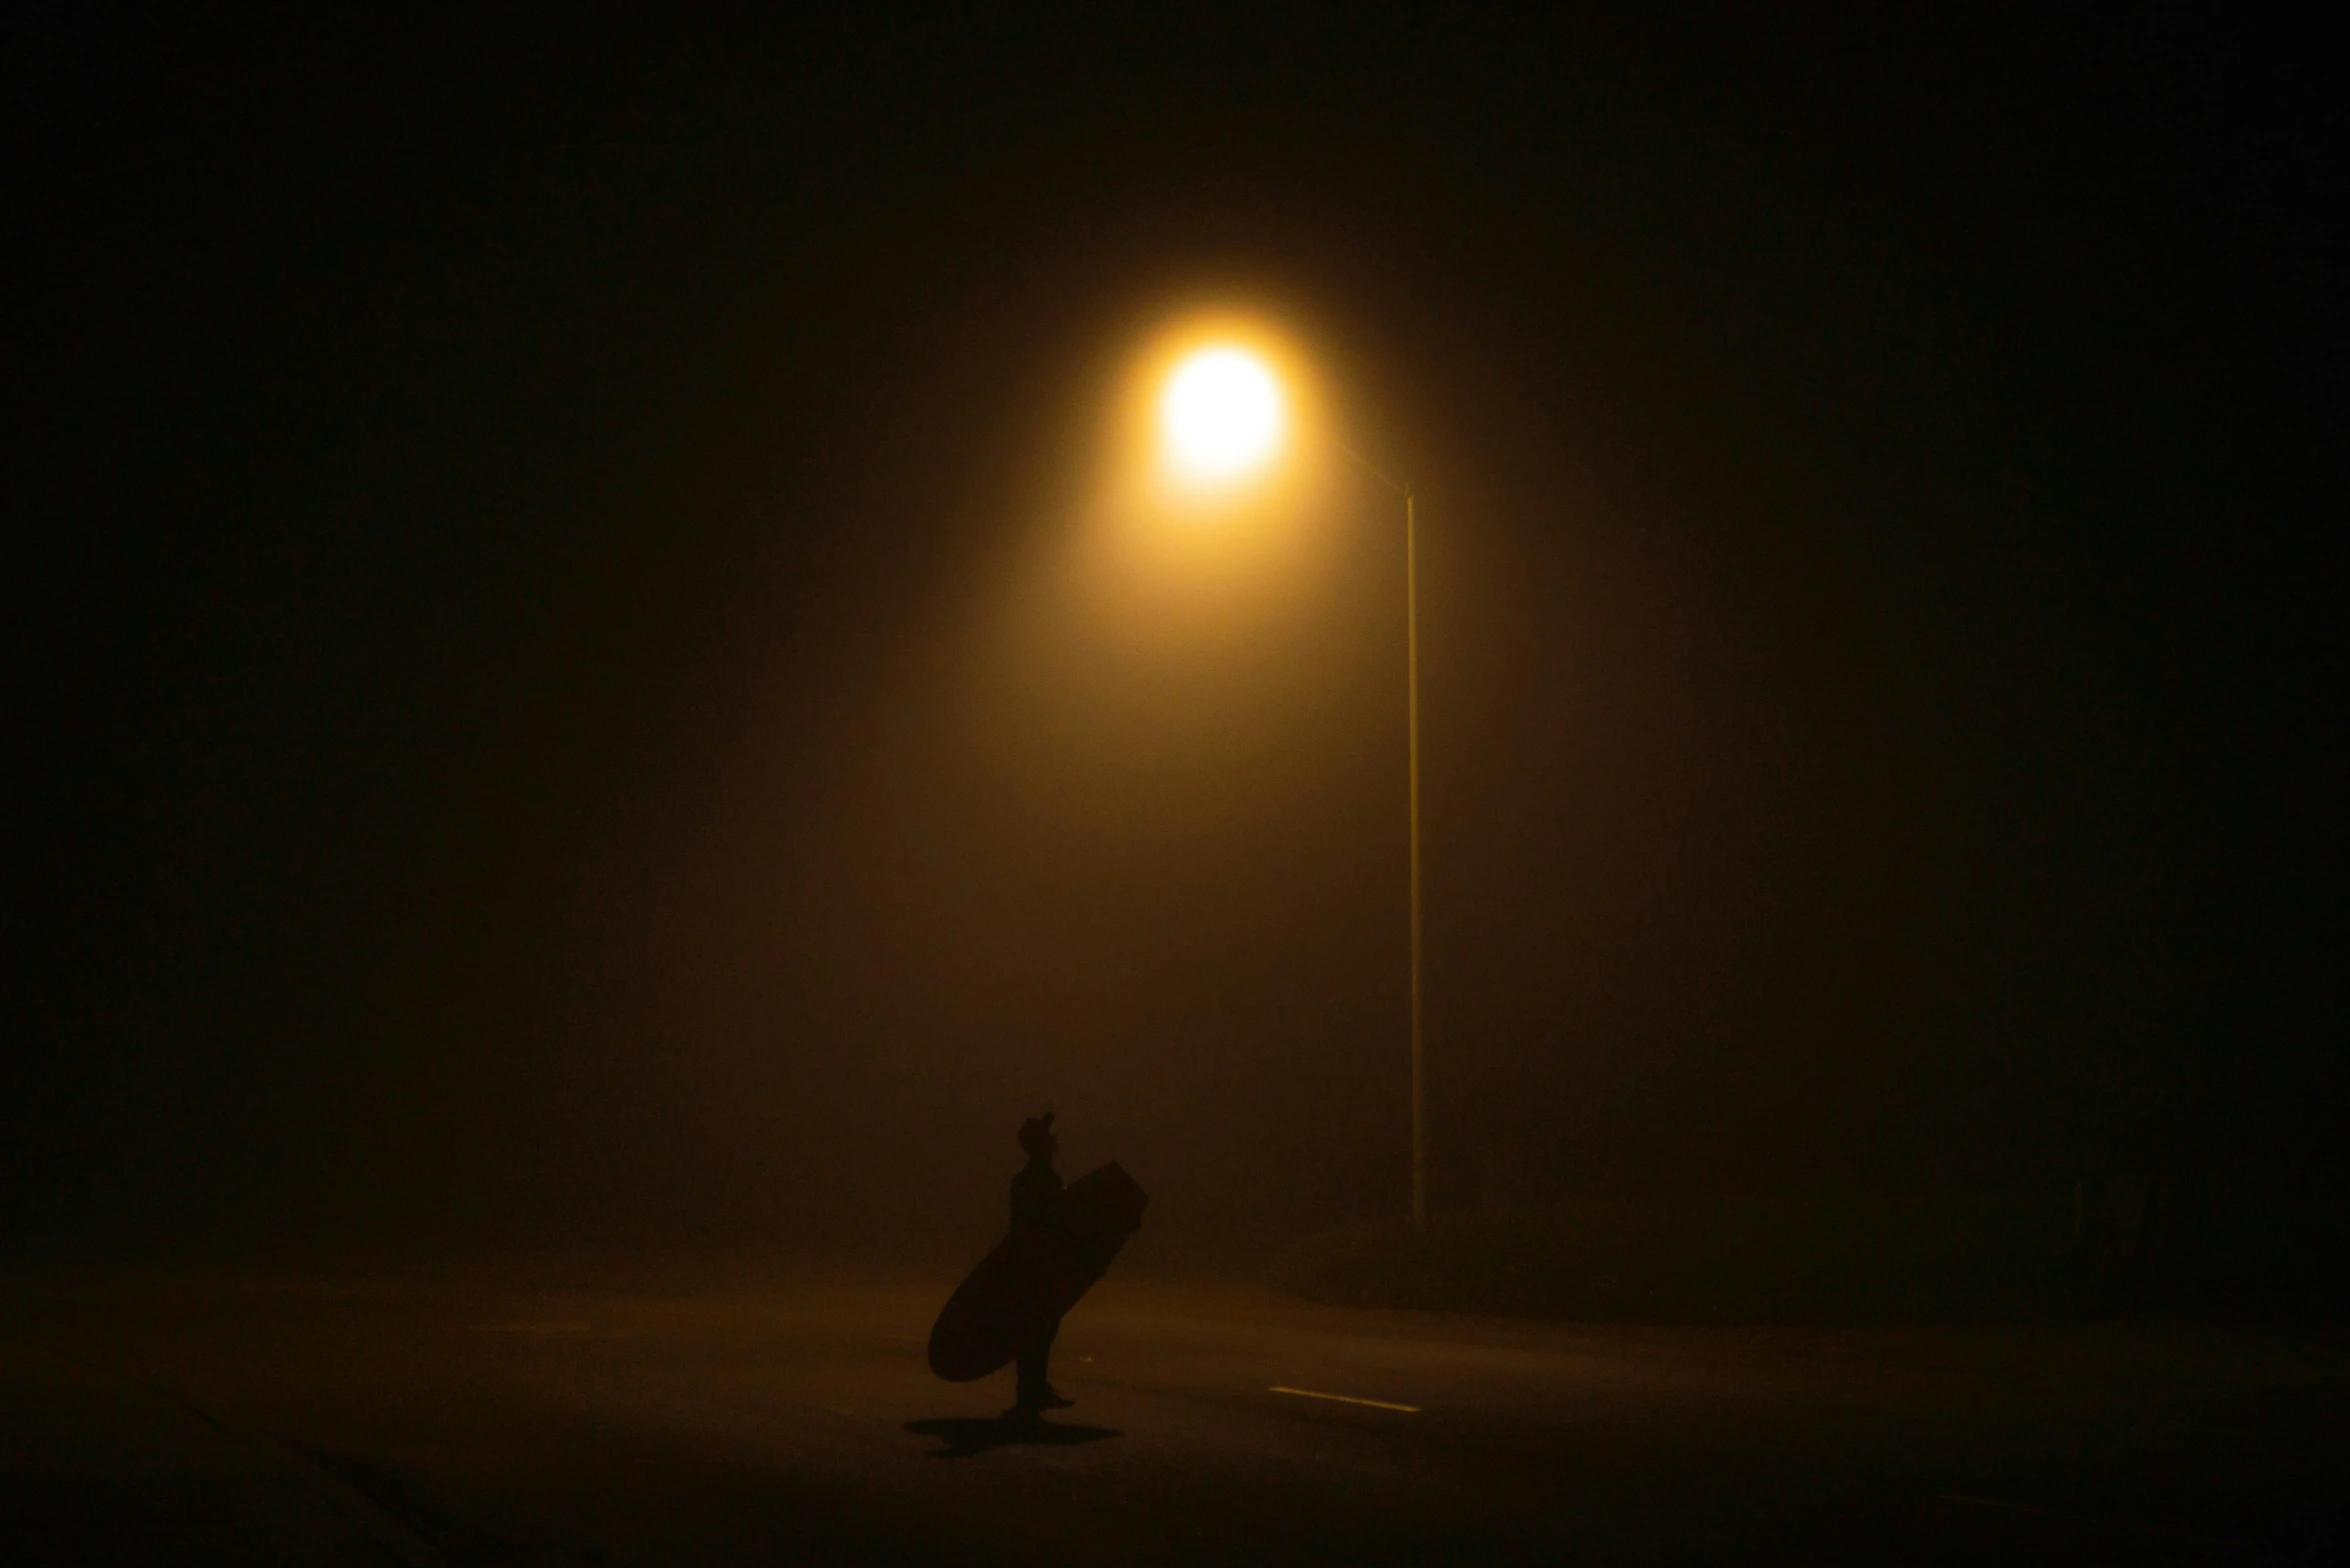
(1222, 413)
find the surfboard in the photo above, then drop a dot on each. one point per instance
(1037, 1273)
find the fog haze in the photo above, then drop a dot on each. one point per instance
(570, 690)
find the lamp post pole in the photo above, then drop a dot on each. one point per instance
(1411, 603)
(1411, 615)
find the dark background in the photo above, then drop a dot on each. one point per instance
(542, 711)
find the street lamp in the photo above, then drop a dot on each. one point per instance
(1223, 419)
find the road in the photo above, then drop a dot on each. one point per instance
(496, 1419)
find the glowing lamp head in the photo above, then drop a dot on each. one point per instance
(1222, 415)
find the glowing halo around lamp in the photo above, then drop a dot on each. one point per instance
(1222, 415)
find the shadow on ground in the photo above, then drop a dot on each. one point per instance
(966, 1436)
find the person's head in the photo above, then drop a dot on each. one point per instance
(1036, 1137)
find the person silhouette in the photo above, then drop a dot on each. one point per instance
(1036, 1200)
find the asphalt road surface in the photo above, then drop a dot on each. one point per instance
(791, 1419)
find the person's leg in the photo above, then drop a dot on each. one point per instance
(1036, 1391)
(1032, 1385)
(1047, 1396)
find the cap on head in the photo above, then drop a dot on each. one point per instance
(1036, 1133)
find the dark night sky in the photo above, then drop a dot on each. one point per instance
(543, 707)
